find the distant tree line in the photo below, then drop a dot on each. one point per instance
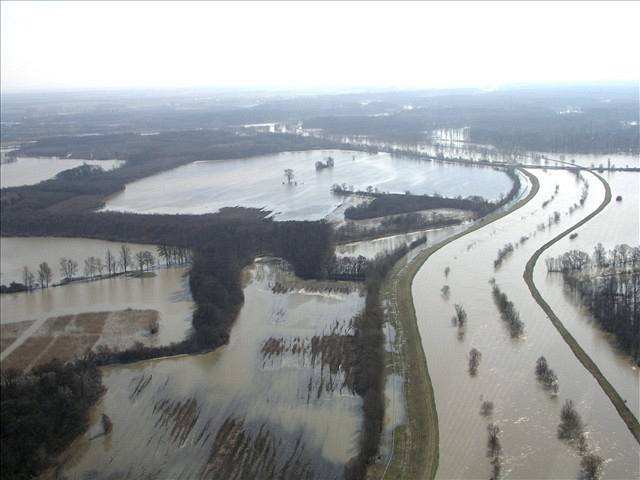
(608, 283)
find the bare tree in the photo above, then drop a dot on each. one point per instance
(99, 266)
(90, 267)
(140, 260)
(28, 278)
(110, 262)
(45, 275)
(289, 175)
(149, 259)
(125, 257)
(68, 268)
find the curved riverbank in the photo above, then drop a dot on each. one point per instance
(623, 410)
(416, 444)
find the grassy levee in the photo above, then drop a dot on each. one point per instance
(416, 443)
(625, 413)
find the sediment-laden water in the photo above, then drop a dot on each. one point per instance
(273, 403)
(617, 224)
(527, 414)
(19, 252)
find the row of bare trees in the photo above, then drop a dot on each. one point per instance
(621, 257)
(120, 262)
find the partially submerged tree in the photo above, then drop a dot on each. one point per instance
(125, 257)
(591, 467)
(289, 175)
(546, 376)
(45, 275)
(474, 361)
(28, 278)
(571, 425)
(486, 409)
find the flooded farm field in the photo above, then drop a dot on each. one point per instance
(207, 186)
(32, 170)
(526, 413)
(275, 402)
(19, 252)
(166, 293)
(616, 224)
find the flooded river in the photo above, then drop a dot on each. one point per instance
(30, 170)
(527, 414)
(268, 404)
(616, 224)
(207, 186)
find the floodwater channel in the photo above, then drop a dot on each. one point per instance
(527, 414)
(616, 224)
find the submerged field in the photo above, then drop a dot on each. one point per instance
(112, 301)
(274, 403)
(207, 186)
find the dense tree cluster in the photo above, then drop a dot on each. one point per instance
(546, 376)
(42, 411)
(503, 253)
(608, 284)
(383, 204)
(508, 312)
(410, 222)
(494, 450)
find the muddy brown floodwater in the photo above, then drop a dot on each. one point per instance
(19, 252)
(273, 403)
(167, 293)
(526, 413)
(617, 224)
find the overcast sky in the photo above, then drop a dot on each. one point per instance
(308, 45)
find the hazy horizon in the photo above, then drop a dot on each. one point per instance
(274, 47)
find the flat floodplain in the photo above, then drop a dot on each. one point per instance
(207, 186)
(275, 399)
(526, 413)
